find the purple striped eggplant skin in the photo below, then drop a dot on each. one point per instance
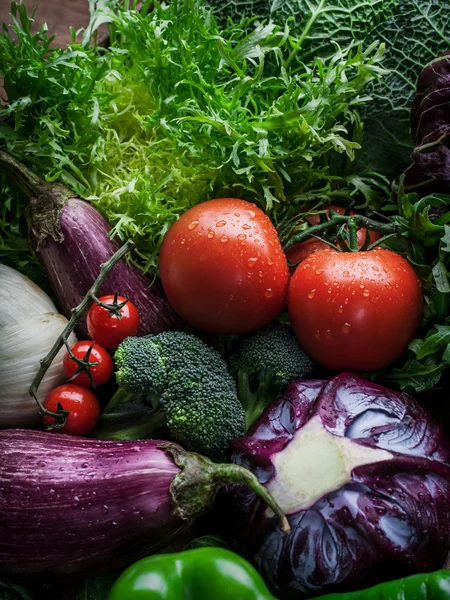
(78, 506)
(71, 239)
(72, 262)
(363, 474)
(74, 505)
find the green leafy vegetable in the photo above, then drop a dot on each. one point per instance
(414, 37)
(178, 110)
(11, 591)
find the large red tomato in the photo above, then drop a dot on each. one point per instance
(355, 311)
(298, 252)
(222, 267)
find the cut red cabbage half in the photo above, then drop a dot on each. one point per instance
(363, 474)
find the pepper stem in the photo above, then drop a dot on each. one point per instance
(194, 489)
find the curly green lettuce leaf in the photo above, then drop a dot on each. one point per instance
(178, 110)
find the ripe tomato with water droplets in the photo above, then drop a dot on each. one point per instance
(82, 404)
(355, 311)
(223, 268)
(298, 252)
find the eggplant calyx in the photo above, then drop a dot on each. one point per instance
(194, 488)
(46, 200)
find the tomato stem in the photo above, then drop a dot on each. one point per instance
(114, 308)
(352, 231)
(61, 415)
(335, 220)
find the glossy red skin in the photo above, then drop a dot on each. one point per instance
(107, 328)
(355, 311)
(300, 251)
(223, 268)
(100, 373)
(80, 402)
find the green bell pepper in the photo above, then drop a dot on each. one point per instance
(219, 574)
(200, 574)
(425, 586)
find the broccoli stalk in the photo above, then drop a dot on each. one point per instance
(175, 380)
(264, 364)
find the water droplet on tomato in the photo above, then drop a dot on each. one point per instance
(211, 234)
(105, 509)
(311, 294)
(246, 226)
(346, 274)
(268, 293)
(346, 328)
(269, 261)
(341, 309)
(252, 262)
(385, 270)
(239, 281)
(183, 241)
(260, 273)
(328, 333)
(319, 271)
(317, 334)
(346, 301)
(192, 225)
(237, 214)
(375, 268)
(231, 297)
(330, 290)
(224, 239)
(242, 236)
(362, 286)
(251, 213)
(366, 293)
(221, 223)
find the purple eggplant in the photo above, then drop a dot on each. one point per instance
(363, 474)
(71, 505)
(71, 239)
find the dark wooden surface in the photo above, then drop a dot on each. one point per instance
(58, 14)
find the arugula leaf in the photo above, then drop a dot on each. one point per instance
(414, 37)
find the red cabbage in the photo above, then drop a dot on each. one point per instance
(348, 522)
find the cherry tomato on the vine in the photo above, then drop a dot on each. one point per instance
(109, 328)
(298, 252)
(82, 405)
(355, 311)
(223, 268)
(93, 353)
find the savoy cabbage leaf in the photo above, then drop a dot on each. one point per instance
(413, 38)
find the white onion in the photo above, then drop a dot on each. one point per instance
(29, 326)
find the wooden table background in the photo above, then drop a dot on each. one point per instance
(58, 14)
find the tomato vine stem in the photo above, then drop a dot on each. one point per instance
(61, 415)
(336, 219)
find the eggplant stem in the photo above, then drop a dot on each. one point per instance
(60, 416)
(193, 489)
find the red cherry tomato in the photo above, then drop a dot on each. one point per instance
(110, 329)
(355, 311)
(222, 267)
(100, 373)
(298, 252)
(80, 402)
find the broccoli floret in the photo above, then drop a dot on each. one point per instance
(182, 376)
(264, 364)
